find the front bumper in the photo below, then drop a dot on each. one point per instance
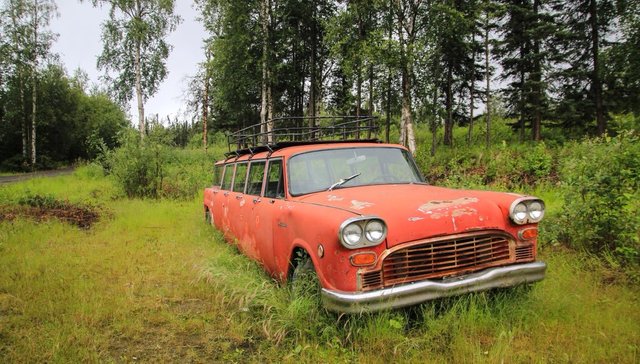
(415, 293)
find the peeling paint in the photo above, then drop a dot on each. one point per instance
(464, 211)
(334, 198)
(414, 219)
(441, 204)
(359, 205)
(242, 202)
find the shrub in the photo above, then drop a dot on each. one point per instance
(152, 168)
(138, 166)
(601, 179)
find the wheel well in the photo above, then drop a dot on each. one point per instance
(297, 255)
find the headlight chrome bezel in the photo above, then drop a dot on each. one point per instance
(367, 239)
(524, 205)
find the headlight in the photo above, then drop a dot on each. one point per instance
(520, 213)
(526, 211)
(375, 231)
(536, 211)
(352, 234)
(364, 231)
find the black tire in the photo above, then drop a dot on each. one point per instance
(304, 280)
(207, 217)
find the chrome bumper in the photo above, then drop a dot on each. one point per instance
(414, 293)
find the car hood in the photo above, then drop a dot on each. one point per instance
(418, 211)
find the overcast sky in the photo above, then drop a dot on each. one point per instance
(79, 44)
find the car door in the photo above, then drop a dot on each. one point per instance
(237, 214)
(251, 236)
(221, 200)
(265, 216)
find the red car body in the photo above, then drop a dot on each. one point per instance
(425, 242)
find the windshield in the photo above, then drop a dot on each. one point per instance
(339, 168)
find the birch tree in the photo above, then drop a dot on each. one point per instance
(135, 48)
(408, 23)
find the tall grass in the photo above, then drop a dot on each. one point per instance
(153, 283)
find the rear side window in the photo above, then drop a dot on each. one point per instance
(275, 180)
(228, 176)
(217, 175)
(241, 177)
(256, 176)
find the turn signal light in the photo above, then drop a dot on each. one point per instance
(363, 259)
(528, 234)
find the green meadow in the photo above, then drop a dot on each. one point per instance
(150, 282)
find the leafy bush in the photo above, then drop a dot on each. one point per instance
(138, 166)
(601, 179)
(152, 168)
(504, 167)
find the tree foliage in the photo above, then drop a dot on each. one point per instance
(555, 64)
(72, 124)
(135, 49)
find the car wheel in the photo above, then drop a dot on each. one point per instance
(304, 280)
(208, 218)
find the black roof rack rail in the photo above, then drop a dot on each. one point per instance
(302, 130)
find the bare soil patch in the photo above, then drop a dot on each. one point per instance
(81, 216)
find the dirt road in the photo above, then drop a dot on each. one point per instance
(26, 176)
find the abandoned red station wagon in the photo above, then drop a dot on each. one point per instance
(360, 214)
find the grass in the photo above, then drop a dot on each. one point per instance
(150, 282)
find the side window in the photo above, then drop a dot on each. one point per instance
(256, 174)
(228, 177)
(217, 175)
(241, 177)
(275, 180)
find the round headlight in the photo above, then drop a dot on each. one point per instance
(536, 211)
(520, 213)
(375, 231)
(352, 234)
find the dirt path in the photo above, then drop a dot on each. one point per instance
(26, 176)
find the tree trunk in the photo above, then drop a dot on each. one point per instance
(24, 120)
(388, 108)
(205, 109)
(407, 137)
(448, 123)
(34, 84)
(370, 106)
(434, 123)
(597, 82)
(269, 110)
(488, 79)
(138, 70)
(263, 88)
(536, 75)
(410, 139)
(472, 87)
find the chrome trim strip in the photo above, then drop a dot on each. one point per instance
(415, 293)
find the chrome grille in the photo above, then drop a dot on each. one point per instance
(444, 257)
(524, 252)
(371, 280)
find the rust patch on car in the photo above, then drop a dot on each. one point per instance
(464, 211)
(359, 205)
(442, 204)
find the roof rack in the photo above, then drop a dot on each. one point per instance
(301, 130)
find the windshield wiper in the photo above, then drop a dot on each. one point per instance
(343, 181)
